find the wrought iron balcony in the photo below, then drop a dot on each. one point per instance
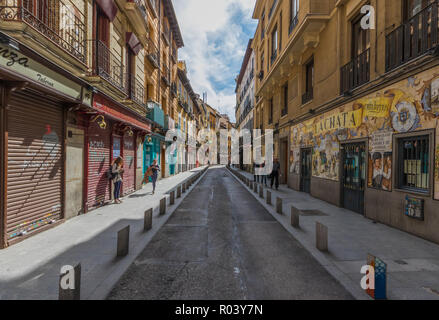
(166, 33)
(413, 38)
(293, 23)
(308, 96)
(273, 57)
(272, 9)
(137, 91)
(153, 53)
(355, 73)
(166, 75)
(59, 21)
(174, 89)
(110, 67)
(174, 55)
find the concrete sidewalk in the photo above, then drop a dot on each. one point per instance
(412, 263)
(31, 269)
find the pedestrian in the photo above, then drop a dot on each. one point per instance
(263, 176)
(275, 174)
(154, 176)
(117, 171)
(256, 166)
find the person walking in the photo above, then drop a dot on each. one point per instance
(154, 176)
(275, 174)
(263, 176)
(117, 171)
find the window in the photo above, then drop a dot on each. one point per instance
(274, 42)
(263, 26)
(262, 63)
(285, 100)
(413, 7)
(309, 82)
(414, 163)
(270, 110)
(294, 11)
(360, 38)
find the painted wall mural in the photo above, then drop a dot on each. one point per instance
(410, 105)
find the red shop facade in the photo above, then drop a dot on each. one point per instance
(112, 131)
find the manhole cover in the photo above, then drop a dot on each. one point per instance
(311, 213)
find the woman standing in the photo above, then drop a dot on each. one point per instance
(117, 171)
(155, 169)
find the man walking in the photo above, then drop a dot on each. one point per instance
(275, 173)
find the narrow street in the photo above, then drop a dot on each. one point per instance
(222, 244)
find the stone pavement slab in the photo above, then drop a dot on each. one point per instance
(31, 269)
(412, 262)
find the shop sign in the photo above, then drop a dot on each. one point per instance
(343, 120)
(376, 107)
(16, 62)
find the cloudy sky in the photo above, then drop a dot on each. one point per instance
(215, 34)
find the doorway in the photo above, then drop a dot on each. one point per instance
(354, 176)
(306, 170)
(284, 161)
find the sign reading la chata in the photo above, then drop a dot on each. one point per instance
(17, 62)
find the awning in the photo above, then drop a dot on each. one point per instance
(115, 112)
(133, 42)
(109, 8)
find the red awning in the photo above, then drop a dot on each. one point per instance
(133, 42)
(112, 110)
(109, 8)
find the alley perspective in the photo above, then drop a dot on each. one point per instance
(233, 150)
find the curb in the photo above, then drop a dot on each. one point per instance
(353, 288)
(105, 287)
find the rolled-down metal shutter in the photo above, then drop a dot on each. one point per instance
(99, 143)
(35, 163)
(129, 164)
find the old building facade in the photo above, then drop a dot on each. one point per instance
(352, 99)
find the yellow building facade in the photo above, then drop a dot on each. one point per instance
(350, 90)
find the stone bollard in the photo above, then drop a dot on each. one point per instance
(147, 223)
(66, 290)
(172, 198)
(321, 237)
(178, 192)
(279, 205)
(261, 192)
(295, 217)
(163, 206)
(269, 197)
(123, 242)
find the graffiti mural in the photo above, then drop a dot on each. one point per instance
(410, 105)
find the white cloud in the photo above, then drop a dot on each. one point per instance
(215, 33)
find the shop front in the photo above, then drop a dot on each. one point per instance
(381, 148)
(113, 131)
(34, 101)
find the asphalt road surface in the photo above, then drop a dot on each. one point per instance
(222, 244)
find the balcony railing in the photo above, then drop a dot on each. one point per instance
(174, 55)
(153, 53)
(110, 67)
(273, 57)
(166, 33)
(141, 7)
(293, 23)
(137, 91)
(59, 21)
(414, 38)
(272, 9)
(308, 96)
(166, 74)
(174, 89)
(355, 73)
